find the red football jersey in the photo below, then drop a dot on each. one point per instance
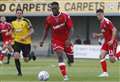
(5, 26)
(106, 27)
(59, 25)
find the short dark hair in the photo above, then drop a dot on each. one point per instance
(19, 10)
(100, 10)
(55, 3)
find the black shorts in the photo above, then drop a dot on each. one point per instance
(25, 48)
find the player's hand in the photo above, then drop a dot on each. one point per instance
(95, 35)
(4, 31)
(7, 33)
(67, 43)
(23, 38)
(41, 44)
(110, 42)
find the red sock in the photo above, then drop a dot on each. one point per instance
(104, 65)
(62, 67)
(1, 57)
(118, 55)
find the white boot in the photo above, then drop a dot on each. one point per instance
(104, 74)
(1, 62)
(66, 78)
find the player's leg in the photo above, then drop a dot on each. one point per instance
(59, 51)
(26, 51)
(3, 52)
(118, 55)
(32, 55)
(1, 57)
(33, 52)
(70, 59)
(60, 54)
(10, 53)
(8, 58)
(69, 54)
(104, 51)
(17, 49)
(103, 64)
(10, 47)
(112, 52)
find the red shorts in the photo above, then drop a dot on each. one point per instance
(111, 49)
(61, 45)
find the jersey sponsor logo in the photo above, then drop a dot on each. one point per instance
(18, 30)
(58, 26)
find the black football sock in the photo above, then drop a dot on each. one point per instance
(18, 66)
(8, 58)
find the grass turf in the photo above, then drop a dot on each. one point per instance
(83, 70)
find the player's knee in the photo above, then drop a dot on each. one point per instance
(112, 59)
(26, 60)
(60, 58)
(59, 51)
(16, 55)
(60, 55)
(70, 58)
(102, 56)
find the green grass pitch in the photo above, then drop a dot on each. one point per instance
(83, 70)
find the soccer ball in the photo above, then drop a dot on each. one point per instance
(43, 76)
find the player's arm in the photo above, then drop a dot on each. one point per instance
(69, 25)
(30, 27)
(3, 31)
(29, 34)
(97, 35)
(70, 34)
(10, 30)
(45, 33)
(114, 33)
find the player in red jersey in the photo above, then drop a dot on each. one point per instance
(61, 30)
(7, 39)
(108, 31)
